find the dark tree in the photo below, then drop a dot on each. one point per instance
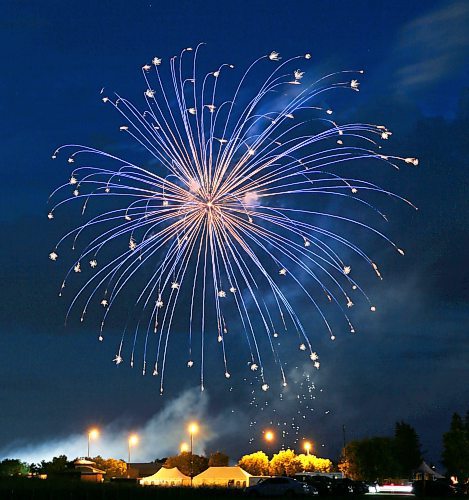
(456, 447)
(183, 463)
(13, 467)
(406, 449)
(218, 459)
(56, 465)
(370, 459)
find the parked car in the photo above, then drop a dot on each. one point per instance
(280, 486)
(360, 487)
(322, 484)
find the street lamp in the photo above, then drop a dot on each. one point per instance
(133, 440)
(92, 434)
(193, 429)
(269, 436)
(307, 446)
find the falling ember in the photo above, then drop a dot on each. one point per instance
(224, 203)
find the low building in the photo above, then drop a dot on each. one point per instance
(87, 471)
(166, 477)
(229, 477)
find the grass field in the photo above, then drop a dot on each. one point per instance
(35, 489)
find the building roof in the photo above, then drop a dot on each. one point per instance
(164, 474)
(223, 473)
(426, 469)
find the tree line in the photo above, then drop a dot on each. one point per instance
(379, 458)
(369, 459)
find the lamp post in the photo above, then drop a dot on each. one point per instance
(269, 436)
(92, 434)
(132, 441)
(193, 428)
(307, 446)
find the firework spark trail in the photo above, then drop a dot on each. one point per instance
(217, 218)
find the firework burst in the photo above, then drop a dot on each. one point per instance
(218, 225)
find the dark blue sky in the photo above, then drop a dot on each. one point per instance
(410, 361)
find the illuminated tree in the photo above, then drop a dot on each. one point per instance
(285, 463)
(256, 464)
(311, 463)
(112, 467)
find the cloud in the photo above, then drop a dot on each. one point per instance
(160, 436)
(432, 47)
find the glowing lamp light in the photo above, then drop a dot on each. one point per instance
(92, 434)
(184, 448)
(269, 436)
(133, 440)
(193, 428)
(307, 446)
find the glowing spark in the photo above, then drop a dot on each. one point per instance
(118, 359)
(77, 268)
(302, 347)
(93, 263)
(307, 56)
(147, 67)
(282, 272)
(104, 303)
(132, 244)
(314, 356)
(53, 256)
(175, 285)
(347, 270)
(150, 93)
(73, 180)
(372, 308)
(50, 215)
(354, 84)
(156, 61)
(265, 387)
(190, 364)
(274, 56)
(298, 74)
(123, 128)
(233, 289)
(221, 293)
(192, 111)
(254, 367)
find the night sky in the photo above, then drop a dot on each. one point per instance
(410, 360)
